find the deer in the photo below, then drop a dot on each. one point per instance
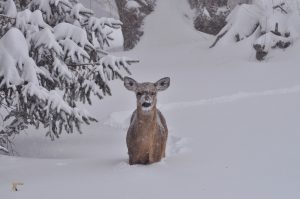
(148, 132)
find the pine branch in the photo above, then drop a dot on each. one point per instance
(4, 16)
(98, 63)
(56, 57)
(65, 4)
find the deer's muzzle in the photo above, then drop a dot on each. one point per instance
(146, 104)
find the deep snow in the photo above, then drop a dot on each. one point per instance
(234, 126)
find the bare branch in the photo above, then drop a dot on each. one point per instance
(281, 8)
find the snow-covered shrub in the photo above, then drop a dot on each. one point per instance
(209, 15)
(51, 59)
(269, 24)
(211, 21)
(132, 14)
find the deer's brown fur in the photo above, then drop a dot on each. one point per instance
(148, 131)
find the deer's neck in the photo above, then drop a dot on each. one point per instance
(146, 118)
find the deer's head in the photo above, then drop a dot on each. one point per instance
(146, 93)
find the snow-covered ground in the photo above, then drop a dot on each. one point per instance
(234, 126)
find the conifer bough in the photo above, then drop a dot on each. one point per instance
(52, 57)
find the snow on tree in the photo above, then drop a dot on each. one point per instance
(7, 13)
(54, 11)
(271, 24)
(132, 5)
(8, 8)
(3, 149)
(51, 59)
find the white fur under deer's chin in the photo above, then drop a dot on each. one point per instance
(146, 105)
(147, 110)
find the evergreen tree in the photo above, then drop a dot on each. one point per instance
(51, 59)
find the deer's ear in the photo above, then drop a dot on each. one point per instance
(130, 84)
(162, 84)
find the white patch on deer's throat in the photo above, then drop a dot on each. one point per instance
(147, 106)
(147, 109)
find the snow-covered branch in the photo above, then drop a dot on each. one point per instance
(52, 58)
(268, 26)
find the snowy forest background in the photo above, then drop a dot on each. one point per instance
(62, 63)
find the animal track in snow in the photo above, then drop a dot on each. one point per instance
(230, 98)
(121, 119)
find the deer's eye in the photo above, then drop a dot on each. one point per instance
(138, 93)
(152, 93)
